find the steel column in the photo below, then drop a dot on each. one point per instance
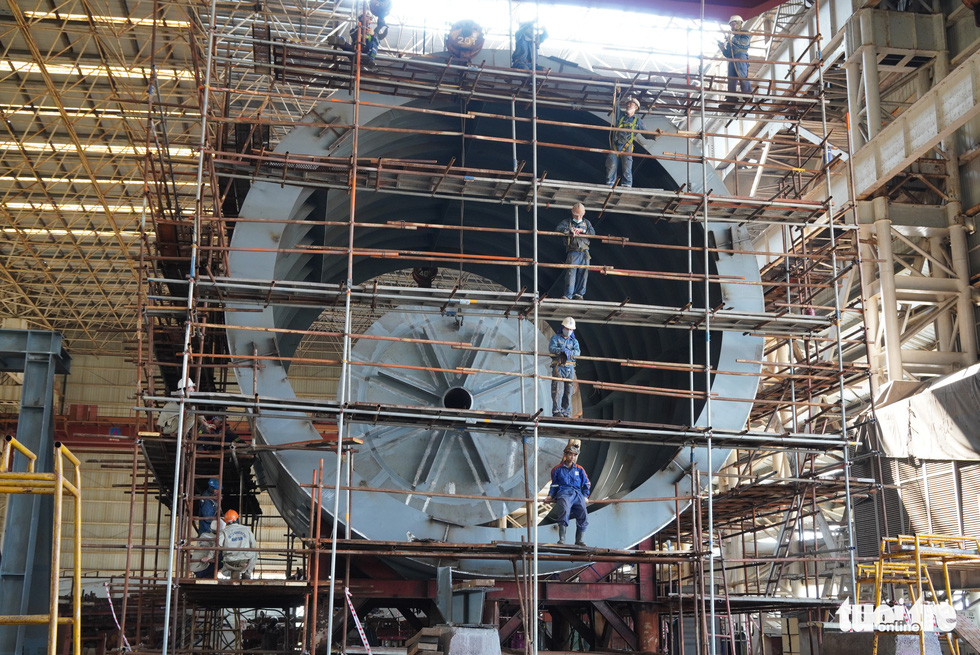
(25, 571)
(872, 99)
(965, 320)
(889, 300)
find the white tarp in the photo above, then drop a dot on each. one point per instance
(941, 420)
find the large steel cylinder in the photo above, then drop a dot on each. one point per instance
(472, 463)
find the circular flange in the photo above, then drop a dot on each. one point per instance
(288, 251)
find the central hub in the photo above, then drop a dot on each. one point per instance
(427, 362)
(457, 398)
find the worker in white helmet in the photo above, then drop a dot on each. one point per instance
(621, 141)
(569, 489)
(564, 347)
(736, 48)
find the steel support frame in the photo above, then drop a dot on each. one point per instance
(25, 570)
(944, 281)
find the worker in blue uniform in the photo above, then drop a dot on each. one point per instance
(526, 42)
(621, 161)
(208, 508)
(736, 48)
(570, 487)
(577, 230)
(364, 30)
(564, 346)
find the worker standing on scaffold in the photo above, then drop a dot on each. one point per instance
(736, 48)
(577, 231)
(565, 348)
(569, 489)
(627, 122)
(526, 42)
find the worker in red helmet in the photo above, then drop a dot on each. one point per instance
(570, 487)
(237, 563)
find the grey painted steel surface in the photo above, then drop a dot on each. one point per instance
(25, 572)
(275, 251)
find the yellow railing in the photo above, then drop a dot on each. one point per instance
(30, 482)
(905, 560)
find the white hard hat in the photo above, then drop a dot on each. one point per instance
(569, 322)
(186, 382)
(631, 100)
(736, 19)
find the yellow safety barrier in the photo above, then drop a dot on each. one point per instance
(56, 484)
(905, 560)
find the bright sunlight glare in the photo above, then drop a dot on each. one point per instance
(593, 32)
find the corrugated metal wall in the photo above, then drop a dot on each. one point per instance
(928, 498)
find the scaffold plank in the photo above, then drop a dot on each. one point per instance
(224, 290)
(663, 92)
(519, 425)
(501, 187)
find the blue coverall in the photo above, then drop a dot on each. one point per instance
(525, 48)
(576, 253)
(740, 67)
(369, 48)
(623, 145)
(570, 487)
(561, 390)
(208, 511)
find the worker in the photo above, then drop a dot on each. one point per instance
(526, 43)
(208, 507)
(735, 47)
(577, 231)
(364, 31)
(564, 346)
(237, 563)
(620, 162)
(569, 489)
(201, 556)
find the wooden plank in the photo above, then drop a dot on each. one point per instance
(966, 630)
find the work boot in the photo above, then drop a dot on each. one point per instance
(580, 537)
(561, 533)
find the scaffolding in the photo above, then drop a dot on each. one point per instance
(57, 484)
(261, 72)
